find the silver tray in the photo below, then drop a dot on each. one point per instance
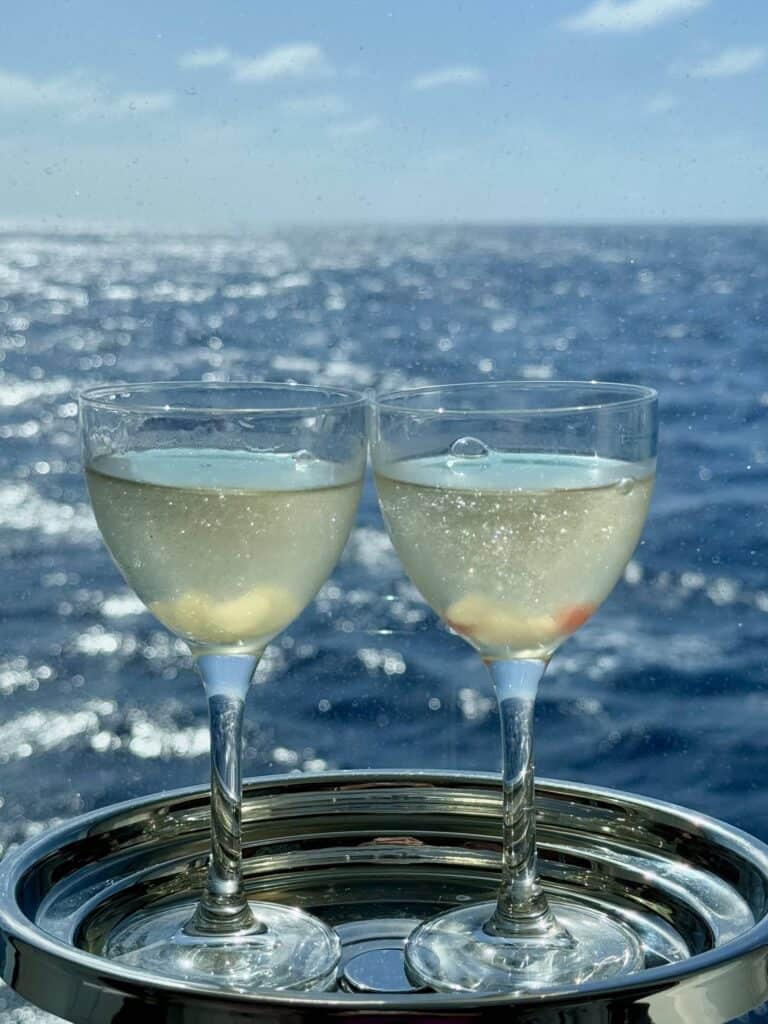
(373, 854)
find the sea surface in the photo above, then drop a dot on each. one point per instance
(664, 692)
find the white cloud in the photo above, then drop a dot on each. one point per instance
(77, 97)
(461, 75)
(18, 92)
(736, 61)
(348, 129)
(211, 58)
(661, 104)
(312, 106)
(295, 60)
(629, 15)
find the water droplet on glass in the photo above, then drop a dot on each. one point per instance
(469, 448)
(625, 485)
(303, 459)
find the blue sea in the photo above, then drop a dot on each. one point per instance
(664, 692)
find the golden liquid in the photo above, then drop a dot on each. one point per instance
(225, 548)
(515, 552)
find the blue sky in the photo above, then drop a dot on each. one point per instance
(184, 114)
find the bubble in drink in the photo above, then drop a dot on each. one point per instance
(469, 448)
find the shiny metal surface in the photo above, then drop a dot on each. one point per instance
(371, 853)
(378, 970)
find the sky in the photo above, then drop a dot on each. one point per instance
(186, 115)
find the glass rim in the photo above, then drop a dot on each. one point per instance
(336, 397)
(633, 395)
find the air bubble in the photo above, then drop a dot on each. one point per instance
(469, 448)
(625, 485)
(303, 459)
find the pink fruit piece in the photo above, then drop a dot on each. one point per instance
(569, 619)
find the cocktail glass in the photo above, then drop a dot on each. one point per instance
(225, 506)
(514, 508)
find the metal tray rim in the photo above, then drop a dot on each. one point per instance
(18, 929)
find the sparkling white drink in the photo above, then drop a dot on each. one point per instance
(225, 547)
(515, 551)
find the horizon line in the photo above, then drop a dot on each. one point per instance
(43, 226)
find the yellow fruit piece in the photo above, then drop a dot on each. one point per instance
(258, 614)
(495, 624)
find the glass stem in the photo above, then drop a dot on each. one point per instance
(223, 908)
(522, 911)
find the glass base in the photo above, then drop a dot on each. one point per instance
(287, 949)
(454, 953)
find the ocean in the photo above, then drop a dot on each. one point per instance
(664, 692)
